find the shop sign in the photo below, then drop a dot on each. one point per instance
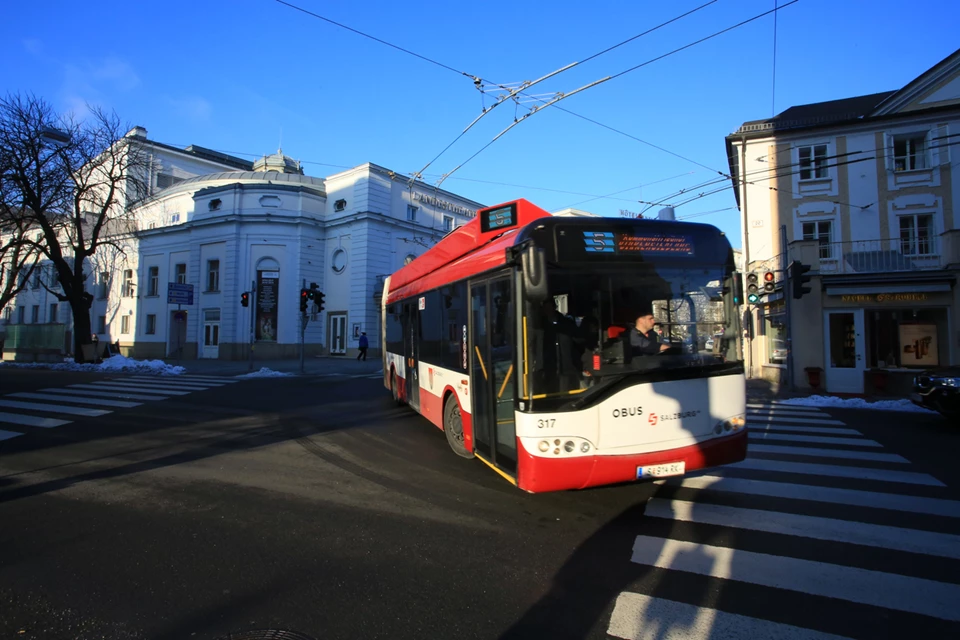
(884, 298)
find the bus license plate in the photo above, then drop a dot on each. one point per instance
(662, 470)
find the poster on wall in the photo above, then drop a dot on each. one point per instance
(266, 321)
(918, 345)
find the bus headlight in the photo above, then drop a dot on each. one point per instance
(544, 446)
(568, 446)
(585, 447)
(730, 424)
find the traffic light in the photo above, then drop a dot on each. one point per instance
(245, 299)
(768, 282)
(753, 288)
(798, 280)
(304, 296)
(318, 300)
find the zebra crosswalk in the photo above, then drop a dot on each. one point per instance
(56, 406)
(817, 534)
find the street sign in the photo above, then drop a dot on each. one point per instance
(179, 293)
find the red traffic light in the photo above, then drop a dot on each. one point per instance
(768, 276)
(245, 299)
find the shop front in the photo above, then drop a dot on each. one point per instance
(876, 340)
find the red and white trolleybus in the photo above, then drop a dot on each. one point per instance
(515, 334)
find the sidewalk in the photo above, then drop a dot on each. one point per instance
(322, 365)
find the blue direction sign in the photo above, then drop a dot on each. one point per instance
(178, 293)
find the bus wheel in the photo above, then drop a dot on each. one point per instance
(453, 427)
(394, 390)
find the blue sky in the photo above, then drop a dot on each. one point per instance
(243, 75)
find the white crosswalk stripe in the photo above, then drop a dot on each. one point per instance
(850, 528)
(95, 399)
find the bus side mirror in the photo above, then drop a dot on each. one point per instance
(533, 264)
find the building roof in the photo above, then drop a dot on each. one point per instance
(274, 177)
(816, 114)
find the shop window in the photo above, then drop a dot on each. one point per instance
(775, 330)
(820, 231)
(917, 234)
(905, 338)
(813, 162)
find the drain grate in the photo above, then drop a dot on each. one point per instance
(267, 634)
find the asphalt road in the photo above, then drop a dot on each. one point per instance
(314, 505)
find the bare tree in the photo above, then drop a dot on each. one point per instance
(74, 184)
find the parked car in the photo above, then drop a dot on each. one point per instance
(939, 389)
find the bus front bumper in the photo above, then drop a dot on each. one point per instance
(540, 473)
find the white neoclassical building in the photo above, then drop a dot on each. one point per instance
(216, 227)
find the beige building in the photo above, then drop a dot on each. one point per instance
(863, 191)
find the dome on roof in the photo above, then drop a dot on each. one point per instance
(278, 162)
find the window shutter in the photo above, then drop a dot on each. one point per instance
(939, 146)
(888, 151)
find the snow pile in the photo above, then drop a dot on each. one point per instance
(264, 372)
(855, 403)
(110, 365)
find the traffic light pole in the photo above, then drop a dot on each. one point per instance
(253, 315)
(787, 290)
(303, 329)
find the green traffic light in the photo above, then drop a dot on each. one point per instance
(753, 298)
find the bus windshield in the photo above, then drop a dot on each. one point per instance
(604, 325)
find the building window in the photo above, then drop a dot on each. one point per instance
(340, 205)
(153, 281)
(813, 162)
(175, 218)
(35, 281)
(819, 231)
(35, 314)
(104, 285)
(53, 312)
(152, 225)
(128, 283)
(101, 324)
(916, 235)
(213, 275)
(7, 313)
(410, 258)
(910, 152)
(412, 213)
(181, 273)
(164, 181)
(151, 324)
(21, 314)
(124, 324)
(448, 223)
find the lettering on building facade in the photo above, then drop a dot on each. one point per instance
(884, 298)
(443, 205)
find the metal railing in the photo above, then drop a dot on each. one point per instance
(881, 256)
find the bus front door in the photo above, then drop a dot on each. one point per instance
(492, 374)
(410, 352)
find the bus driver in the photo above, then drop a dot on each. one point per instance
(643, 339)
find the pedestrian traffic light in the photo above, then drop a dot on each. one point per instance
(798, 280)
(753, 288)
(318, 300)
(768, 282)
(245, 299)
(304, 296)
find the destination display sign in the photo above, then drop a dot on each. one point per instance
(646, 244)
(501, 218)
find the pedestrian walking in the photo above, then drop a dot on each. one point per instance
(364, 343)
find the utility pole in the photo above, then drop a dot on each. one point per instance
(748, 350)
(303, 327)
